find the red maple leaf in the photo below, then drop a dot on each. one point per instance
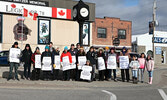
(61, 13)
(13, 5)
(30, 14)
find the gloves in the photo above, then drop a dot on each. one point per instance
(54, 66)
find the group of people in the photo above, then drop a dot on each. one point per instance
(94, 58)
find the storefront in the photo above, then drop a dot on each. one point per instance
(144, 44)
(41, 25)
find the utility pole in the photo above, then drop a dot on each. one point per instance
(154, 24)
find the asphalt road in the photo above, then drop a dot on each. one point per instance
(60, 90)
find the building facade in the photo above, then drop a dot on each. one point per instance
(54, 23)
(144, 45)
(106, 29)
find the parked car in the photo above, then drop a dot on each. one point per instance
(4, 57)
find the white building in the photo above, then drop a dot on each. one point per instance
(144, 44)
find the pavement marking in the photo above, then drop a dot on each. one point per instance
(162, 93)
(113, 96)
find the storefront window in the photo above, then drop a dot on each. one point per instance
(101, 33)
(121, 34)
(0, 28)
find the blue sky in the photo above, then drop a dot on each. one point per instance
(131, 2)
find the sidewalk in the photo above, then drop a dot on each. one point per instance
(71, 84)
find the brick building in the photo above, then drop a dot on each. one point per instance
(106, 29)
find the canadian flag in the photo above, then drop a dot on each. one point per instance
(61, 13)
(26, 13)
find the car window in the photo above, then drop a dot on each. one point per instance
(6, 53)
(1, 54)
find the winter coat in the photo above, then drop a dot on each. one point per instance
(46, 54)
(66, 54)
(150, 65)
(54, 52)
(26, 56)
(73, 52)
(91, 57)
(134, 65)
(33, 57)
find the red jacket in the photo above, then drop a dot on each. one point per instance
(66, 54)
(33, 57)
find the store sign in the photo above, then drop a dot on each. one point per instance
(33, 2)
(160, 40)
(16, 8)
(158, 50)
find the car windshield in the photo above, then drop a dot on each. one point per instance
(4, 53)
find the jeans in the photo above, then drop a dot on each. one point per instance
(93, 72)
(101, 75)
(134, 73)
(55, 74)
(150, 73)
(141, 73)
(15, 66)
(27, 66)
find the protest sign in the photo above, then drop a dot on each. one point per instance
(101, 64)
(14, 54)
(37, 61)
(81, 61)
(124, 62)
(47, 64)
(86, 73)
(66, 63)
(73, 65)
(57, 61)
(111, 63)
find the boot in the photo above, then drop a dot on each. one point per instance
(133, 79)
(136, 81)
(151, 78)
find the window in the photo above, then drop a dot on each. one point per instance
(121, 34)
(0, 28)
(101, 33)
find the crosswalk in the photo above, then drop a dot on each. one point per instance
(162, 93)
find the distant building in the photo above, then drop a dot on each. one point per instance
(143, 43)
(106, 29)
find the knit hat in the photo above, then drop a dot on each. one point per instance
(47, 47)
(107, 48)
(37, 48)
(65, 48)
(16, 43)
(81, 48)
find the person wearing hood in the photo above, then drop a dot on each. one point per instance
(80, 53)
(14, 64)
(46, 53)
(66, 74)
(125, 71)
(36, 71)
(26, 59)
(101, 72)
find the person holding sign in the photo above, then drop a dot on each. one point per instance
(73, 52)
(55, 53)
(106, 52)
(26, 58)
(80, 60)
(124, 64)
(36, 59)
(142, 62)
(112, 64)
(46, 53)
(66, 54)
(91, 57)
(14, 59)
(101, 64)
